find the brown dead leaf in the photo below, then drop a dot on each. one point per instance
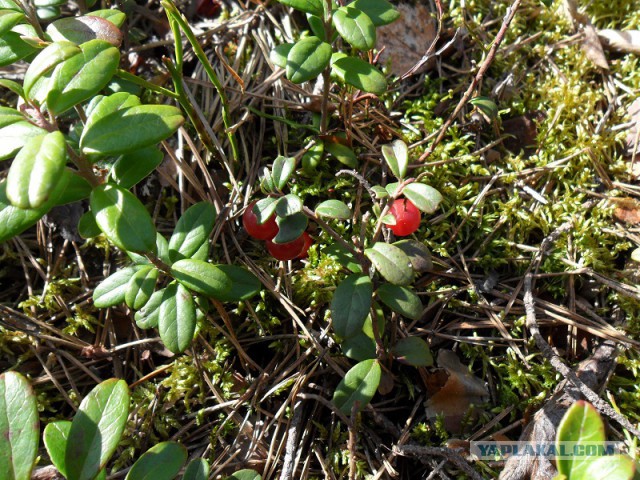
(591, 43)
(524, 131)
(460, 391)
(407, 39)
(627, 211)
(619, 41)
(633, 134)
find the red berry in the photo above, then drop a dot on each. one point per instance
(407, 217)
(266, 231)
(286, 251)
(308, 241)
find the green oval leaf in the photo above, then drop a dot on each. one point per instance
(19, 427)
(351, 304)
(133, 167)
(264, 208)
(13, 48)
(342, 153)
(280, 53)
(162, 248)
(397, 156)
(290, 227)
(245, 474)
(391, 262)
(123, 219)
(425, 197)
(360, 74)
(308, 6)
(112, 290)
(333, 209)
(45, 62)
(307, 59)
(487, 106)
(36, 170)
(358, 386)
(96, 429)
(87, 226)
(76, 189)
(281, 170)
(198, 469)
(414, 351)
(202, 277)
(113, 15)
(418, 254)
(355, 27)
(8, 19)
(343, 257)
(83, 29)
(177, 321)
(288, 205)
(581, 423)
(55, 440)
(192, 231)
(401, 300)
(381, 12)
(149, 315)
(15, 135)
(161, 462)
(141, 287)
(611, 467)
(244, 284)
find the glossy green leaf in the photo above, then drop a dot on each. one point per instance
(14, 136)
(359, 347)
(317, 26)
(413, 351)
(401, 300)
(280, 53)
(288, 205)
(245, 474)
(15, 87)
(192, 231)
(83, 29)
(311, 159)
(47, 14)
(342, 153)
(264, 209)
(44, 63)
(76, 189)
(281, 170)
(358, 386)
(101, 106)
(392, 188)
(355, 27)
(13, 48)
(129, 129)
(8, 19)
(177, 321)
(123, 219)
(197, 469)
(425, 197)
(581, 424)
(418, 254)
(397, 156)
(351, 304)
(162, 249)
(141, 287)
(379, 191)
(360, 74)
(611, 467)
(308, 6)
(343, 257)
(202, 277)
(113, 15)
(244, 284)
(161, 462)
(112, 290)
(487, 106)
(9, 5)
(9, 116)
(381, 12)
(37, 170)
(149, 315)
(55, 438)
(291, 227)
(334, 209)
(307, 59)
(19, 427)
(392, 263)
(87, 226)
(96, 429)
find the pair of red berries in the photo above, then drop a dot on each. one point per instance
(269, 229)
(407, 217)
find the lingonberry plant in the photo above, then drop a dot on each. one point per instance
(407, 217)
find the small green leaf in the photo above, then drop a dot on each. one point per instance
(317, 26)
(13, 48)
(381, 12)
(355, 27)
(202, 277)
(192, 231)
(244, 284)
(401, 300)
(392, 263)
(15, 135)
(149, 315)
(418, 254)
(360, 74)
(133, 167)
(342, 153)
(307, 59)
(8, 19)
(425, 197)
(351, 304)
(37, 170)
(380, 192)
(397, 156)
(290, 227)
(288, 205)
(264, 208)
(123, 219)
(580, 424)
(15, 87)
(312, 158)
(96, 429)
(141, 287)
(309, 6)
(333, 209)
(76, 189)
(83, 29)
(112, 290)
(9, 5)
(280, 53)
(177, 321)
(358, 386)
(281, 170)
(611, 467)
(343, 257)
(362, 346)
(161, 462)
(197, 469)
(55, 440)
(100, 106)
(87, 226)
(113, 15)
(45, 62)
(413, 351)
(486, 106)
(162, 248)
(19, 427)
(392, 188)
(246, 474)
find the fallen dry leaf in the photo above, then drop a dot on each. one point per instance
(524, 131)
(591, 43)
(627, 210)
(459, 392)
(619, 41)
